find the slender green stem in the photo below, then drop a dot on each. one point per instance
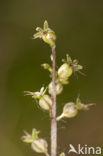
(53, 110)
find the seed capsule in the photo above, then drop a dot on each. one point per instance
(47, 66)
(45, 102)
(65, 71)
(69, 111)
(39, 146)
(59, 88)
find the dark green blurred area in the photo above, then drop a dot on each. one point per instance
(79, 29)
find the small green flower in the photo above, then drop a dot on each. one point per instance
(73, 63)
(71, 109)
(64, 72)
(39, 145)
(45, 101)
(46, 34)
(67, 68)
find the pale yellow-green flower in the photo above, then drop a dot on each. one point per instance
(45, 101)
(39, 145)
(46, 34)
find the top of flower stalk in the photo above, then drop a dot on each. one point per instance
(36, 95)
(73, 63)
(46, 34)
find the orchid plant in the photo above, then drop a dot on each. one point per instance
(47, 96)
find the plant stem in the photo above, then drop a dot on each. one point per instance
(53, 110)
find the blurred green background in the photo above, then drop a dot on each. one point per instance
(79, 29)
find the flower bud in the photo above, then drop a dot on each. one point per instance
(65, 71)
(45, 102)
(69, 111)
(59, 88)
(47, 66)
(39, 146)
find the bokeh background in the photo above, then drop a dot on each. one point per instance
(79, 29)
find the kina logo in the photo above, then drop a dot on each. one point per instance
(84, 149)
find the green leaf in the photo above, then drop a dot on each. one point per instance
(45, 25)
